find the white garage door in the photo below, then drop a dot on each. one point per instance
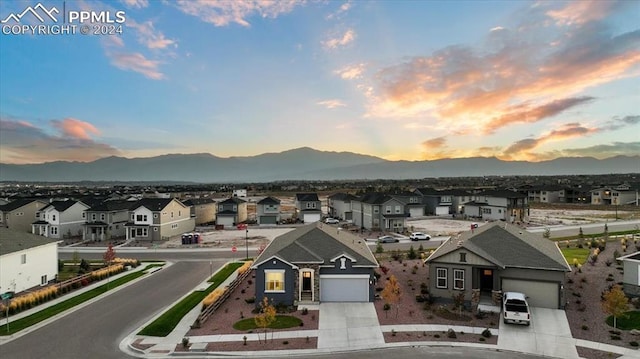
(344, 288)
(225, 220)
(540, 294)
(311, 217)
(416, 212)
(442, 211)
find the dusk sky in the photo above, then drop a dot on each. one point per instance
(401, 80)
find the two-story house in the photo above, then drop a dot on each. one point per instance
(615, 195)
(576, 194)
(502, 205)
(107, 220)
(204, 210)
(158, 219)
(231, 211)
(439, 203)
(308, 207)
(19, 214)
(412, 202)
(380, 212)
(339, 206)
(542, 194)
(268, 211)
(60, 219)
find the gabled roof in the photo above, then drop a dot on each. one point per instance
(502, 193)
(635, 257)
(341, 196)
(153, 204)
(269, 200)
(374, 198)
(315, 243)
(507, 245)
(15, 204)
(14, 241)
(233, 200)
(198, 201)
(307, 197)
(60, 206)
(427, 191)
(115, 205)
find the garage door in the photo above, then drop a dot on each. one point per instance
(416, 212)
(442, 211)
(311, 217)
(225, 220)
(540, 294)
(267, 220)
(344, 288)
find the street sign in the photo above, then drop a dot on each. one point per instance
(234, 249)
(6, 295)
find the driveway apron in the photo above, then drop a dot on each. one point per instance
(349, 325)
(549, 335)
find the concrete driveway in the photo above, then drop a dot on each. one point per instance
(349, 326)
(549, 335)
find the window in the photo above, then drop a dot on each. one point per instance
(43, 280)
(93, 216)
(458, 279)
(311, 205)
(274, 280)
(179, 213)
(441, 277)
(486, 210)
(23, 258)
(142, 232)
(54, 230)
(133, 217)
(84, 215)
(398, 209)
(155, 229)
(141, 218)
(387, 209)
(463, 257)
(376, 209)
(53, 217)
(171, 214)
(102, 217)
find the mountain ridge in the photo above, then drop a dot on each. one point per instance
(303, 163)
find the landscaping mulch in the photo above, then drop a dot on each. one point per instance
(589, 353)
(437, 337)
(254, 345)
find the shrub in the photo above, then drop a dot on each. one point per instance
(451, 334)
(437, 335)
(250, 300)
(412, 253)
(482, 339)
(305, 311)
(185, 342)
(487, 333)
(633, 344)
(585, 327)
(285, 342)
(386, 306)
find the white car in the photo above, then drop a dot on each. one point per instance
(515, 308)
(331, 221)
(419, 236)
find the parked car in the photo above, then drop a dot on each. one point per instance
(419, 236)
(387, 239)
(331, 221)
(515, 308)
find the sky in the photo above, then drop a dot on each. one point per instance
(400, 80)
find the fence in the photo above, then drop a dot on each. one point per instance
(208, 311)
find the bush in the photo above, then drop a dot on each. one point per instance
(487, 333)
(451, 334)
(185, 342)
(250, 300)
(412, 253)
(585, 327)
(633, 344)
(305, 311)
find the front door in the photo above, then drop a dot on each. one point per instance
(306, 281)
(486, 280)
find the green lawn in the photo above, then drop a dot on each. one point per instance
(163, 325)
(579, 253)
(281, 322)
(49, 312)
(631, 320)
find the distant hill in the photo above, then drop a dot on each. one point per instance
(300, 164)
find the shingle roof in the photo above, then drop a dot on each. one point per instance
(198, 201)
(315, 243)
(153, 204)
(503, 193)
(507, 247)
(13, 241)
(341, 196)
(425, 191)
(60, 206)
(307, 197)
(15, 204)
(269, 200)
(116, 205)
(233, 200)
(374, 198)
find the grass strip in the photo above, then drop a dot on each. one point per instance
(164, 324)
(628, 321)
(581, 254)
(49, 312)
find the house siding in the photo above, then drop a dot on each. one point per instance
(41, 260)
(20, 219)
(290, 274)
(631, 278)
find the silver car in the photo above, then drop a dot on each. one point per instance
(387, 239)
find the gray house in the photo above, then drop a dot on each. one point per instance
(631, 277)
(496, 258)
(308, 207)
(412, 202)
(339, 205)
(502, 205)
(107, 220)
(380, 212)
(268, 211)
(315, 263)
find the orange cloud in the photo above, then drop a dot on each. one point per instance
(351, 72)
(434, 143)
(75, 128)
(579, 12)
(522, 149)
(331, 104)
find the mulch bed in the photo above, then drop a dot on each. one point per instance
(589, 353)
(254, 345)
(437, 337)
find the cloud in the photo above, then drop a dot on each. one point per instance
(149, 36)
(74, 128)
(351, 72)
(223, 13)
(524, 113)
(340, 40)
(618, 123)
(331, 104)
(604, 150)
(136, 4)
(522, 148)
(434, 143)
(131, 61)
(341, 10)
(511, 77)
(24, 142)
(583, 11)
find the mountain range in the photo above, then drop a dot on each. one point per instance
(300, 164)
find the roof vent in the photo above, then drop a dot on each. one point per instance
(459, 244)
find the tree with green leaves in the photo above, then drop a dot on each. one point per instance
(266, 316)
(615, 303)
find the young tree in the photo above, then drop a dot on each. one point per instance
(266, 316)
(108, 257)
(391, 292)
(615, 303)
(412, 253)
(580, 238)
(76, 258)
(605, 235)
(547, 233)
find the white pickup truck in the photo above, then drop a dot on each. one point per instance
(515, 308)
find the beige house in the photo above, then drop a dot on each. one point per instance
(231, 212)
(204, 210)
(158, 219)
(20, 214)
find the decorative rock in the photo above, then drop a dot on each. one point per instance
(634, 332)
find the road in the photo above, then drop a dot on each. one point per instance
(96, 330)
